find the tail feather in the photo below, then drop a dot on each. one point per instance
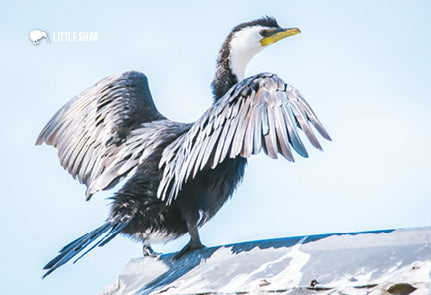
(99, 237)
(109, 236)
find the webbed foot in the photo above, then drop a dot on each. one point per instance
(149, 252)
(192, 245)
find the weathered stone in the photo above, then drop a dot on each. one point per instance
(375, 263)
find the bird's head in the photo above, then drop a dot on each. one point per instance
(242, 43)
(247, 39)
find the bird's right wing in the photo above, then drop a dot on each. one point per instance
(98, 131)
(261, 112)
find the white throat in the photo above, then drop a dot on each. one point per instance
(243, 46)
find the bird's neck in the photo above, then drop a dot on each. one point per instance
(224, 79)
(230, 70)
(231, 63)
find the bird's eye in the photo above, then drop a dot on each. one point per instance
(263, 33)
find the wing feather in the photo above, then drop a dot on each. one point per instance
(264, 120)
(221, 142)
(302, 120)
(294, 138)
(210, 149)
(257, 134)
(92, 128)
(248, 145)
(238, 136)
(282, 137)
(260, 112)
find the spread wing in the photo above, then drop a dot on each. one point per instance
(261, 112)
(91, 130)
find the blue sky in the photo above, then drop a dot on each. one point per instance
(364, 66)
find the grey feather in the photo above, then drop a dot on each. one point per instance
(257, 113)
(92, 128)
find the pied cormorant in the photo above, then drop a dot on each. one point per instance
(180, 174)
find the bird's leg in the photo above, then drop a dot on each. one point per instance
(148, 251)
(195, 242)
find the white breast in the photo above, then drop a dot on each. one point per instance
(154, 237)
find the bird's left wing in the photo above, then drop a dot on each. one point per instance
(260, 112)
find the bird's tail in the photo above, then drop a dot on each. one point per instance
(97, 237)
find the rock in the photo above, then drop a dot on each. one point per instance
(401, 289)
(383, 262)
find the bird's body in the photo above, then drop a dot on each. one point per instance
(180, 174)
(196, 203)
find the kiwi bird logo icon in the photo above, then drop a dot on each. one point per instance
(37, 35)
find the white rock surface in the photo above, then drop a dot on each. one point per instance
(385, 262)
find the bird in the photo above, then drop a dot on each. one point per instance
(177, 175)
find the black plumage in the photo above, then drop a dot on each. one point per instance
(180, 174)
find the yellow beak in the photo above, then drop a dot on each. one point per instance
(279, 35)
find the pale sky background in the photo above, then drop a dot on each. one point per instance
(364, 66)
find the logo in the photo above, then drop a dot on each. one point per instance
(37, 35)
(63, 37)
(76, 36)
